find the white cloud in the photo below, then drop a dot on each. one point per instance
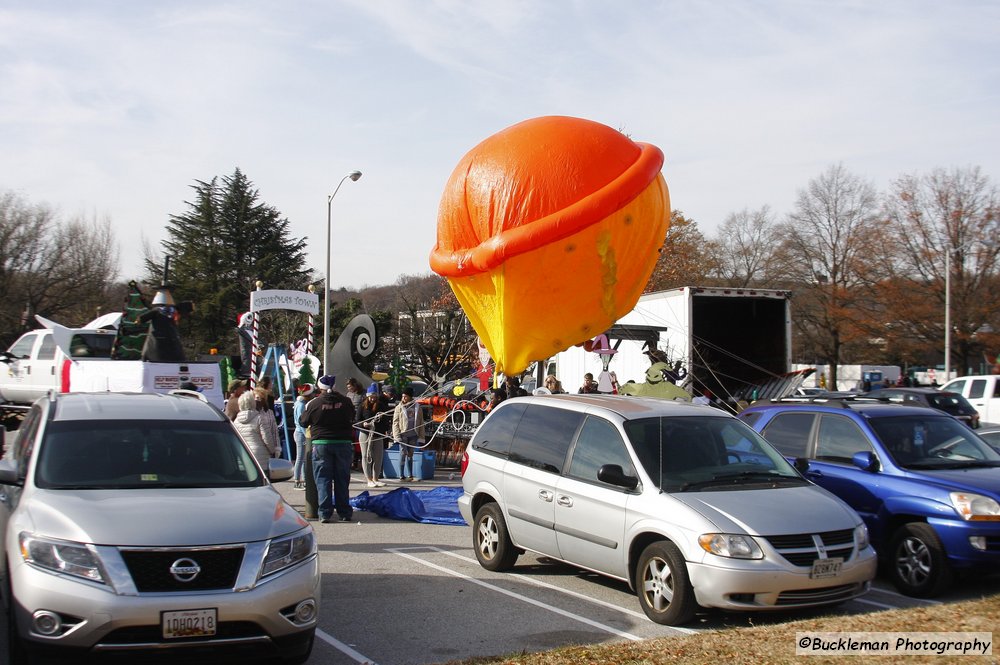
(116, 109)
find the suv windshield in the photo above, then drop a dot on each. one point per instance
(924, 442)
(702, 453)
(129, 454)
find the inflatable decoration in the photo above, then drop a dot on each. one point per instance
(548, 232)
(656, 385)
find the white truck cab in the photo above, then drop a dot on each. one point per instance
(33, 365)
(982, 391)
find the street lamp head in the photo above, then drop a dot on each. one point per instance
(354, 175)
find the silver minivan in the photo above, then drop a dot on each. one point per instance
(135, 524)
(683, 502)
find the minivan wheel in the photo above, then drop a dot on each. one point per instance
(491, 541)
(663, 586)
(919, 565)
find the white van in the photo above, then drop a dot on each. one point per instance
(685, 503)
(982, 391)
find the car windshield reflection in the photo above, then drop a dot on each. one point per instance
(931, 442)
(144, 454)
(695, 453)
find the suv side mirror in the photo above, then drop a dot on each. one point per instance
(614, 475)
(801, 464)
(8, 474)
(865, 460)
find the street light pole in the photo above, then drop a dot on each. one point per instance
(947, 315)
(353, 175)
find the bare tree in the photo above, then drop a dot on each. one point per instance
(62, 271)
(827, 240)
(745, 249)
(939, 220)
(683, 260)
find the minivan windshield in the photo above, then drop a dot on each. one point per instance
(139, 454)
(933, 442)
(698, 453)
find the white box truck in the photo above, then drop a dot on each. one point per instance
(730, 341)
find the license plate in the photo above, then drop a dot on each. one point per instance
(826, 568)
(188, 623)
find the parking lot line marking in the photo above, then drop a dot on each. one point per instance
(603, 603)
(517, 596)
(876, 604)
(343, 648)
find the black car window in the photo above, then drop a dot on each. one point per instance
(117, 454)
(839, 438)
(789, 433)
(543, 437)
(599, 443)
(497, 431)
(977, 389)
(996, 388)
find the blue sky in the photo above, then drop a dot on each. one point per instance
(112, 110)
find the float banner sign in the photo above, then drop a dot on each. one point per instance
(300, 301)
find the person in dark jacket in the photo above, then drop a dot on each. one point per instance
(374, 419)
(330, 418)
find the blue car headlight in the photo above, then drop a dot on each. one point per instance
(288, 551)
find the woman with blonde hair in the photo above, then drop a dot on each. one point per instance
(553, 384)
(251, 427)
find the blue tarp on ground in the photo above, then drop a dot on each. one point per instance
(436, 506)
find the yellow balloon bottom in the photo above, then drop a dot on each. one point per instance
(544, 301)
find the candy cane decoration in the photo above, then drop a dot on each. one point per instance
(253, 348)
(309, 327)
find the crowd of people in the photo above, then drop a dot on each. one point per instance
(327, 424)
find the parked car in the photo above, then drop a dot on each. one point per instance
(982, 391)
(991, 433)
(926, 485)
(140, 523)
(943, 400)
(683, 502)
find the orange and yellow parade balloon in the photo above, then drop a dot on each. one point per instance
(548, 232)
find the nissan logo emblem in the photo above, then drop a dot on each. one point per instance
(185, 570)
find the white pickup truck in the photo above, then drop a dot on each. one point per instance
(37, 363)
(982, 391)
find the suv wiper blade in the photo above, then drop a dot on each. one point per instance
(955, 464)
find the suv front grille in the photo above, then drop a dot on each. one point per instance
(800, 550)
(150, 569)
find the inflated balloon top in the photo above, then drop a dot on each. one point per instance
(548, 232)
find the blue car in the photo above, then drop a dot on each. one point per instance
(926, 485)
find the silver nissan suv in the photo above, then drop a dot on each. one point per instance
(685, 503)
(136, 524)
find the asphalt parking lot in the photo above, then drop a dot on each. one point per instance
(399, 592)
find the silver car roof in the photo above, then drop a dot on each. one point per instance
(132, 406)
(627, 407)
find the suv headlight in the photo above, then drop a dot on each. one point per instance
(975, 507)
(61, 556)
(861, 536)
(730, 545)
(285, 552)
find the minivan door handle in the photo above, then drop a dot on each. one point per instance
(545, 495)
(564, 500)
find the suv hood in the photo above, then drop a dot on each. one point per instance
(772, 511)
(976, 479)
(161, 517)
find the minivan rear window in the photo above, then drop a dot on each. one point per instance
(543, 437)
